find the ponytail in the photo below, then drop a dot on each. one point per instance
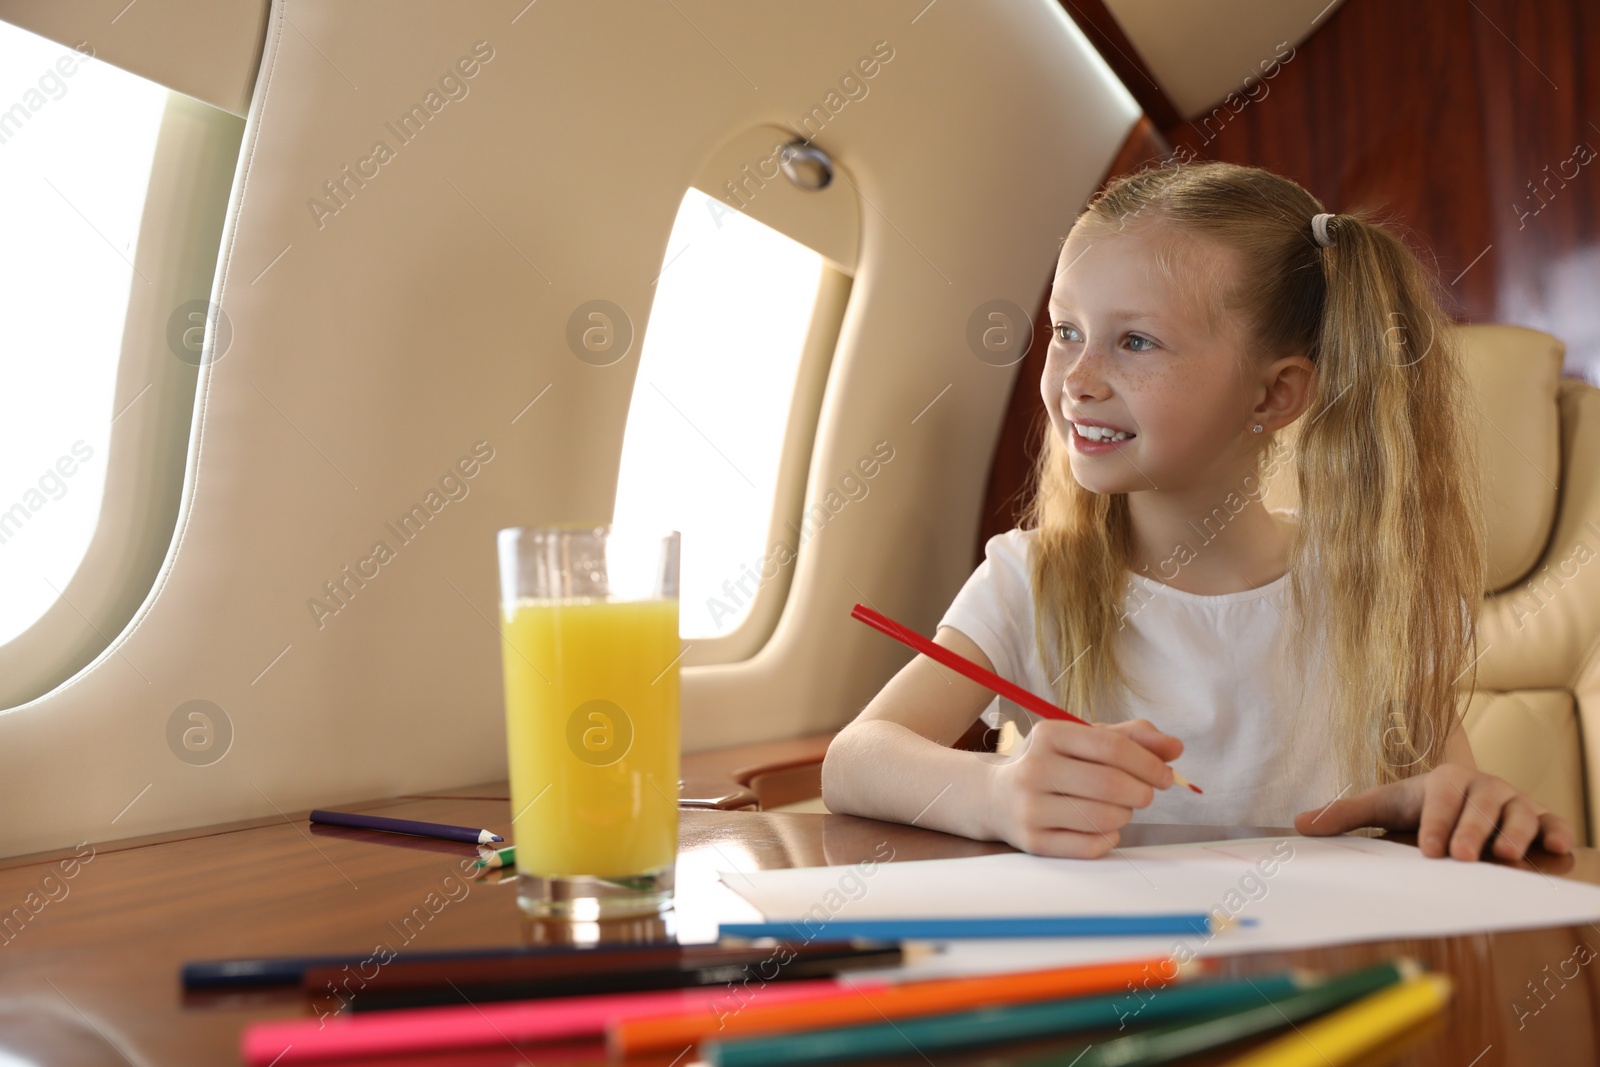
(1390, 540)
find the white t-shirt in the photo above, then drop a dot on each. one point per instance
(1215, 671)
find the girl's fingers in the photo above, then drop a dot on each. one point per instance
(1396, 805)
(1556, 832)
(1067, 844)
(1481, 808)
(1095, 744)
(1099, 782)
(1459, 811)
(1442, 801)
(1519, 825)
(1146, 733)
(1047, 811)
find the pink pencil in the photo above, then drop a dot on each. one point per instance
(491, 1025)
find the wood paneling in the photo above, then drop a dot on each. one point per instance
(1468, 123)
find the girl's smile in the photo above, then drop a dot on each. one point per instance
(1094, 438)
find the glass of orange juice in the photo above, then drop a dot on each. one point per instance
(589, 647)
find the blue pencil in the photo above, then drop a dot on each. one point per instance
(944, 929)
(405, 826)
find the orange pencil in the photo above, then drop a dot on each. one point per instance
(664, 1032)
(988, 679)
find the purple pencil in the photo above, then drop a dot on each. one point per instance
(406, 826)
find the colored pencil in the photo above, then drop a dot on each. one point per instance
(1008, 926)
(291, 970)
(498, 857)
(1353, 1031)
(1007, 1022)
(246, 973)
(1162, 1044)
(989, 680)
(691, 971)
(906, 1000)
(559, 973)
(405, 826)
(431, 1030)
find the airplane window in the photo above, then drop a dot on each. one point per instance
(77, 137)
(729, 321)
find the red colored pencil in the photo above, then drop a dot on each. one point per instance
(988, 679)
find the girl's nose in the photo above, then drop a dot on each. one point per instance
(1085, 378)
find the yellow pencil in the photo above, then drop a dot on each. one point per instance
(1343, 1035)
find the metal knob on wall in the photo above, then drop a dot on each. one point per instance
(806, 165)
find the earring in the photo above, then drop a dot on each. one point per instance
(1256, 428)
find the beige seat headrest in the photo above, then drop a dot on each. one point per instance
(1515, 373)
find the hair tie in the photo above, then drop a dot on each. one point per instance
(1319, 229)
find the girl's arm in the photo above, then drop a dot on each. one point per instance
(1066, 793)
(894, 762)
(1454, 808)
(1457, 750)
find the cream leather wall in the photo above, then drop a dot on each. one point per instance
(377, 347)
(200, 48)
(1202, 53)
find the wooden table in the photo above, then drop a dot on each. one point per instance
(90, 974)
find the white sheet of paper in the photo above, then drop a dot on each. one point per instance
(1321, 891)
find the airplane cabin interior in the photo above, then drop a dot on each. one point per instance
(335, 333)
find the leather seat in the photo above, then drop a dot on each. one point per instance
(1534, 718)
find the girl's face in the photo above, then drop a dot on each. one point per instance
(1131, 352)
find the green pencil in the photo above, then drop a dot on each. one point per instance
(1163, 1044)
(1008, 1022)
(500, 857)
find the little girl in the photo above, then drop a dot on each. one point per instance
(1308, 661)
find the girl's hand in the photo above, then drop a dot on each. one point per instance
(1073, 787)
(1453, 805)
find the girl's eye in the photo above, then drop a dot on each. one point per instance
(1136, 343)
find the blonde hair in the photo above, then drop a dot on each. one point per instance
(1388, 556)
